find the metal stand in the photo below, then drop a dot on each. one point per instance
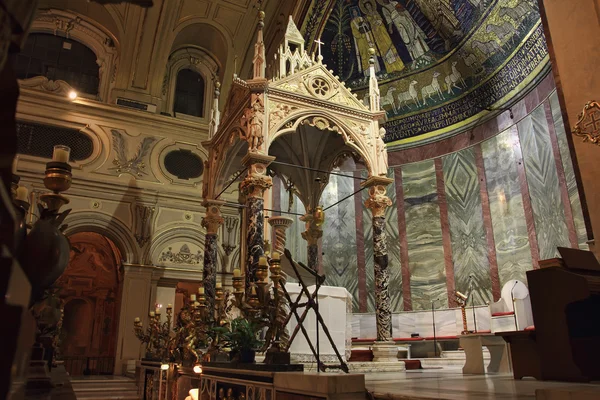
(302, 272)
(434, 336)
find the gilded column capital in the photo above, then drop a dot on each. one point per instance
(378, 200)
(213, 219)
(257, 181)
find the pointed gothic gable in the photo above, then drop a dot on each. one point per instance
(319, 83)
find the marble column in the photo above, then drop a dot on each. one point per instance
(211, 222)
(253, 188)
(377, 203)
(280, 225)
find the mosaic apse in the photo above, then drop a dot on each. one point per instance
(439, 64)
(467, 232)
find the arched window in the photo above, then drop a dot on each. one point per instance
(189, 93)
(58, 58)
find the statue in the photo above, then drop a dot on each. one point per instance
(254, 123)
(382, 153)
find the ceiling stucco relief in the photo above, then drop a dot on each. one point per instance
(441, 65)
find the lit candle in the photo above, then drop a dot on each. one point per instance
(61, 154)
(275, 256)
(262, 261)
(193, 297)
(22, 193)
(137, 319)
(237, 273)
(152, 313)
(200, 290)
(158, 310)
(219, 285)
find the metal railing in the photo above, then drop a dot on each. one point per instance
(83, 365)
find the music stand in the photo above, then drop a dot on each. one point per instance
(304, 273)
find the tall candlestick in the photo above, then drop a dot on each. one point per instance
(22, 193)
(61, 154)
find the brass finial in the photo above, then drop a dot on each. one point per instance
(371, 51)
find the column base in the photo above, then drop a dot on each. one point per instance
(385, 352)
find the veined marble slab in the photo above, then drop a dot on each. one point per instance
(506, 205)
(465, 217)
(424, 234)
(567, 162)
(542, 180)
(339, 236)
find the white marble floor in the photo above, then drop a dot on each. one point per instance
(451, 384)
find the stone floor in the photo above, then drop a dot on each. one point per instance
(451, 384)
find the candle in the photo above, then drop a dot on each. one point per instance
(152, 313)
(275, 256)
(237, 273)
(200, 290)
(169, 306)
(158, 310)
(22, 193)
(262, 261)
(219, 285)
(61, 154)
(193, 297)
(137, 319)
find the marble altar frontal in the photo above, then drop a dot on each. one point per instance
(333, 306)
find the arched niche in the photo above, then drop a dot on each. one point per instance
(176, 237)
(197, 60)
(100, 39)
(105, 225)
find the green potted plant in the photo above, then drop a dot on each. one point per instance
(242, 340)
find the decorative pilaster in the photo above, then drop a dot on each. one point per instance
(253, 188)
(377, 203)
(312, 235)
(211, 222)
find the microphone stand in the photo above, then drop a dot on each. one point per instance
(434, 337)
(472, 303)
(512, 297)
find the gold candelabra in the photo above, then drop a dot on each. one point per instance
(157, 336)
(261, 304)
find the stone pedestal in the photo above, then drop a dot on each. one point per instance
(385, 352)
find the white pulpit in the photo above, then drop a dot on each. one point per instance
(335, 306)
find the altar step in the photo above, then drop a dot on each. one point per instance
(105, 388)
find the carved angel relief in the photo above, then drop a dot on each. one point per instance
(281, 112)
(135, 165)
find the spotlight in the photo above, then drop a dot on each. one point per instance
(197, 369)
(72, 95)
(164, 367)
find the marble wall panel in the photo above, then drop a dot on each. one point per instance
(567, 162)
(294, 242)
(506, 205)
(424, 234)
(339, 237)
(465, 217)
(542, 180)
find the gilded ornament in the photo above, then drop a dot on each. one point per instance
(588, 125)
